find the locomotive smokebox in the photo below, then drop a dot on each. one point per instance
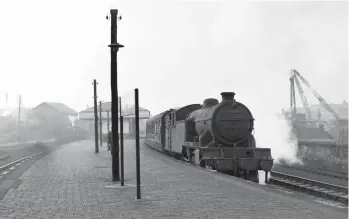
(227, 96)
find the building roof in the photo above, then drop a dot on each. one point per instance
(105, 107)
(60, 107)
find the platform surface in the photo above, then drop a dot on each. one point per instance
(74, 182)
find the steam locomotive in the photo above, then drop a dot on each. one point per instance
(214, 135)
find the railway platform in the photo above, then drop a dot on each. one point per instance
(74, 182)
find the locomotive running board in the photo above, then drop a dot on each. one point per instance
(209, 153)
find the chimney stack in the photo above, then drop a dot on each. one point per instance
(227, 96)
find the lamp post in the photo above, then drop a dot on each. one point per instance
(114, 48)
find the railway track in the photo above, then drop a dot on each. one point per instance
(313, 187)
(324, 172)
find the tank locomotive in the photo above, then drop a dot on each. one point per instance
(215, 135)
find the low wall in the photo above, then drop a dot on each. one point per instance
(324, 155)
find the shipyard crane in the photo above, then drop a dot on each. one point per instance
(294, 80)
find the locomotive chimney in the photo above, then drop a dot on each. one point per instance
(227, 96)
(209, 102)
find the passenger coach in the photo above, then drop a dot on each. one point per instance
(166, 131)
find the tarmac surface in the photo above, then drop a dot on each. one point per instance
(74, 182)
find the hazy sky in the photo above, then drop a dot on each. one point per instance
(176, 52)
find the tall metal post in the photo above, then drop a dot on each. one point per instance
(121, 143)
(96, 116)
(137, 145)
(114, 48)
(100, 124)
(108, 125)
(291, 98)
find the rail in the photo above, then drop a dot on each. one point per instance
(321, 189)
(324, 172)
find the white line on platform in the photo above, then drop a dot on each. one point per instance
(5, 172)
(325, 202)
(285, 191)
(19, 160)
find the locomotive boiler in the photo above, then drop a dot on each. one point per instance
(228, 123)
(213, 135)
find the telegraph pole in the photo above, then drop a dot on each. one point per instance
(19, 116)
(100, 123)
(108, 125)
(96, 116)
(114, 48)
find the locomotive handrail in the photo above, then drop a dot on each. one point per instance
(222, 154)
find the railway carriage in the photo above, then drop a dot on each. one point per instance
(215, 135)
(155, 132)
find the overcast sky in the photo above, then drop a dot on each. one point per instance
(176, 52)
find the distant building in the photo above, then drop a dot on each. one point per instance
(54, 115)
(25, 113)
(7, 124)
(11, 115)
(86, 119)
(338, 131)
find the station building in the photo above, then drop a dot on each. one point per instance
(86, 119)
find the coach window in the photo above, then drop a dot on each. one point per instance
(156, 127)
(168, 120)
(173, 119)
